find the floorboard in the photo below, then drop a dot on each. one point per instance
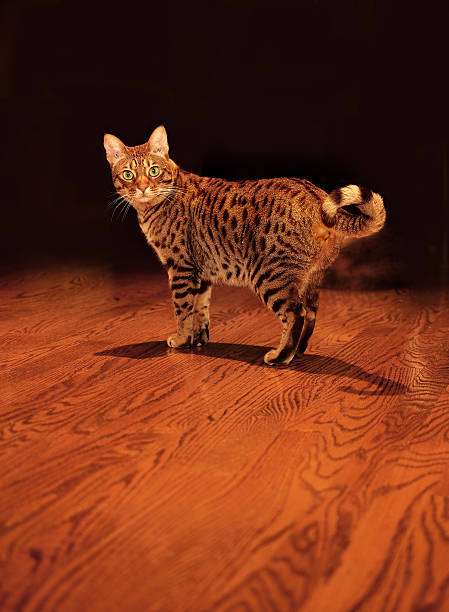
(137, 477)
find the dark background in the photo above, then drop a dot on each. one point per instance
(334, 91)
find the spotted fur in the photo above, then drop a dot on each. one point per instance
(275, 236)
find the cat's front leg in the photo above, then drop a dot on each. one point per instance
(184, 284)
(201, 314)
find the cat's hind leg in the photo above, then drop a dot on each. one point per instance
(285, 302)
(311, 307)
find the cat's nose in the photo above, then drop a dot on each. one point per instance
(143, 192)
(142, 183)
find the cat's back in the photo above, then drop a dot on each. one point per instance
(292, 198)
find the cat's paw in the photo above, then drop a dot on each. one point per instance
(176, 341)
(201, 337)
(273, 358)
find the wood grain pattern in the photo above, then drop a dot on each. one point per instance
(138, 477)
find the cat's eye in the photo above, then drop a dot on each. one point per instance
(127, 175)
(154, 171)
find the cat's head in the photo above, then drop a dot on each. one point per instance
(144, 174)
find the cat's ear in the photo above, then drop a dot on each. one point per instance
(115, 149)
(158, 142)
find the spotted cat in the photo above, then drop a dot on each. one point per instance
(275, 236)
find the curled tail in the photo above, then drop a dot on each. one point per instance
(354, 210)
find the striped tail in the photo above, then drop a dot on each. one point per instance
(354, 211)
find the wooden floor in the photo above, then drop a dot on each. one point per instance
(138, 478)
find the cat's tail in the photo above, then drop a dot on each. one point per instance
(354, 211)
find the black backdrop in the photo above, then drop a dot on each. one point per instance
(335, 91)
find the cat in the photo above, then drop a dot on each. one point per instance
(275, 236)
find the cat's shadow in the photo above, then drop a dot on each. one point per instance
(308, 364)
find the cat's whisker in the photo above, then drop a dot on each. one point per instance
(169, 199)
(118, 198)
(172, 194)
(120, 211)
(117, 207)
(125, 212)
(114, 203)
(172, 190)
